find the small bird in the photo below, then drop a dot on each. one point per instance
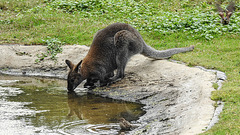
(229, 12)
(124, 124)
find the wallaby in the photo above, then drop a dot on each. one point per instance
(229, 12)
(111, 49)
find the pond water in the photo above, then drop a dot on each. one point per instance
(33, 105)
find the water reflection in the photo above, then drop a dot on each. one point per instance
(53, 110)
(99, 110)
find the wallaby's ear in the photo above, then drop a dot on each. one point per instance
(228, 14)
(77, 67)
(221, 14)
(220, 10)
(69, 63)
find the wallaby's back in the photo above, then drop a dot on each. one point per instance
(103, 48)
(110, 31)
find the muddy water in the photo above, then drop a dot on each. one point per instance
(40, 105)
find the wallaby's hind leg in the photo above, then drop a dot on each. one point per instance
(109, 75)
(121, 64)
(107, 79)
(127, 45)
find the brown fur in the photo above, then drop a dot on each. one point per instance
(111, 49)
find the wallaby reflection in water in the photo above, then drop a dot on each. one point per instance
(74, 104)
(99, 110)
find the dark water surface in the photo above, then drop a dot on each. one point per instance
(31, 105)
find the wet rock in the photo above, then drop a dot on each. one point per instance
(174, 95)
(221, 75)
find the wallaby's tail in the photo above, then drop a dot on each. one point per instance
(163, 54)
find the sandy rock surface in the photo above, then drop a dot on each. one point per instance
(176, 97)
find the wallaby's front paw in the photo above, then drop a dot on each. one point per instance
(87, 85)
(92, 87)
(105, 84)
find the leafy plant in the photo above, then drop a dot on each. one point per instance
(54, 46)
(198, 23)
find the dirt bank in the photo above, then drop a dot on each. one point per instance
(177, 97)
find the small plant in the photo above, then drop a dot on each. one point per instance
(215, 86)
(54, 46)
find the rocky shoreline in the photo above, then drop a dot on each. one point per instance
(176, 97)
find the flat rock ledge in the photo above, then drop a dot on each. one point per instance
(176, 97)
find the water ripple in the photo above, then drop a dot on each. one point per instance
(76, 127)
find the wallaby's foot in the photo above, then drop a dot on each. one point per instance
(119, 79)
(105, 83)
(115, 79)
(90, 83)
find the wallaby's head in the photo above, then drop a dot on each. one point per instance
(225, 20)
(229, 12)
(74, 76)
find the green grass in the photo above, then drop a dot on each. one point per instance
(163, 24)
